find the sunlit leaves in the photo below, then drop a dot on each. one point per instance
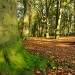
(64, 3)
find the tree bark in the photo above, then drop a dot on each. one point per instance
(26, 19)
(58, 19)
(47, 27)
(74, 18)
(8, 23)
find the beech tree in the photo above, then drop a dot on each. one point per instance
(58, 19)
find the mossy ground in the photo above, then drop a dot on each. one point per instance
(16, 60)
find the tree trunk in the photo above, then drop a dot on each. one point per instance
(47, 28)
(26, 19)
(8, 34)
(58, 19)
(14, 59)
(8, 24)
(74, 18)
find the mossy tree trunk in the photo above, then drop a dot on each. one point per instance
(14, 59)
(8, 32)
(8, 23)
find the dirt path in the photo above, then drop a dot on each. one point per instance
(62, 50)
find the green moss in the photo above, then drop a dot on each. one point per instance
(21, 61)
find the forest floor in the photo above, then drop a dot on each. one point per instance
(62, 50)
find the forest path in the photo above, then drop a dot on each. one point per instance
(61, 50)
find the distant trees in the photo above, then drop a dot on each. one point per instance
(49, 18)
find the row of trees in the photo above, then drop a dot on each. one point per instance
(48, 17)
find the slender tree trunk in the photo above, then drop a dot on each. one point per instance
(30, 24)
(58, 19)
(57, 14)
(47, 28)
(74, 18)
(26, 19)
(25, 5)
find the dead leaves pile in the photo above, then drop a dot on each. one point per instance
(62, 51)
